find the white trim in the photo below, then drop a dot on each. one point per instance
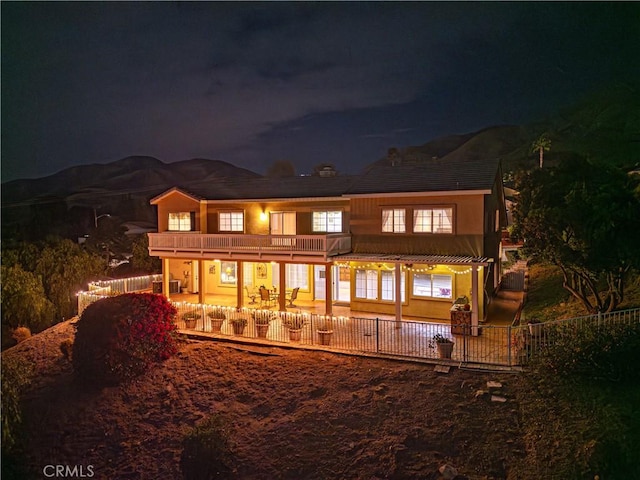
(270, 199)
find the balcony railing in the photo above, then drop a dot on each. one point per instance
(250, 245)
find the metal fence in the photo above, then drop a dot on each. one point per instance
(509, 346)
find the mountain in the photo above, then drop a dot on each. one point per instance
(604, 125)
(122, 188)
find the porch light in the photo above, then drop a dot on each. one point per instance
(263, 216)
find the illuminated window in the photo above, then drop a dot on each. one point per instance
(393, 220)
(367, 284)
(329, 221)
(228, 273)
(436, 286)
(182, 221)
(433, 220)
(389, 285)
(297, 275)
(231, 222)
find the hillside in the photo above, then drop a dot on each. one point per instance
(292, 414)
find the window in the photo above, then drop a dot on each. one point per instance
(330, 221)
(228, 273)
(393, 220)
(433, 220)
(182, 221)
(367, 284)
(436, 286)
(389, 285)
(231, 222)
(297, 275)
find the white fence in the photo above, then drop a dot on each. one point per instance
(509, 346)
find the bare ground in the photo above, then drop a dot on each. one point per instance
(293, 415)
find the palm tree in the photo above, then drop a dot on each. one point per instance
(541, 145)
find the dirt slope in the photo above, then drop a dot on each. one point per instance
(293, 415)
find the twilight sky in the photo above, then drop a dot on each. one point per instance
(251, 83)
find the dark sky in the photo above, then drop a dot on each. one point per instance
(251, 83)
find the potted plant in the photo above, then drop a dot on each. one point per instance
(190, 319)
(294, 323)
(216, 319)
(238, 324)
(263, 319)
(325, 332)
(444, 345)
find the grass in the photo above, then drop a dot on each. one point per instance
(578, 428)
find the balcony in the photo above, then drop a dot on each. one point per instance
(249, 247)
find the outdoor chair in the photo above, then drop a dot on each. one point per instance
(293, 296)
(265, 297)
(252, 294)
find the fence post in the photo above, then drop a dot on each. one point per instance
(509, 345)
(377, 335)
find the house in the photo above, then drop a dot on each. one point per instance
(434, 224)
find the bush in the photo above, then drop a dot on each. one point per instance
(120, 337)
(16, 375)
(20, 334)
(206, 451)
(606, 352)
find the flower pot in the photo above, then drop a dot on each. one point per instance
(238, 328)
(295, 335)
(262, 329)
(190, 323)
(445, 349)
(324, 337)
(216, 324)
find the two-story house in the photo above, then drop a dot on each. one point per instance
(403, 240)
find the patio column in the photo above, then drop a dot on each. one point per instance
(240, 283)
(282, 287)
(201, 282)
(328, 293)
(165, 276)
(474, 300)
(398, 282)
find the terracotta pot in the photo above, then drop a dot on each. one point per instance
(262, 330)
(445, 349)
(216, 324)
(295, 335)
(190, 323)
(324, 336)
(238, 328)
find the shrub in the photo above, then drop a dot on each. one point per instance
(66, 347)
(607, 352)
(16, 375)
(206, 450)
(20, 334)
(120, 337)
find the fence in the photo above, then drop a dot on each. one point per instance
(495, 345)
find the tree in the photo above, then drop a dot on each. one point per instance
(65, 268)
(585, 218)
(141, 261)
(541, 145)
(23, 300)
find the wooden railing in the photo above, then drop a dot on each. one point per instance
(312, 245)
